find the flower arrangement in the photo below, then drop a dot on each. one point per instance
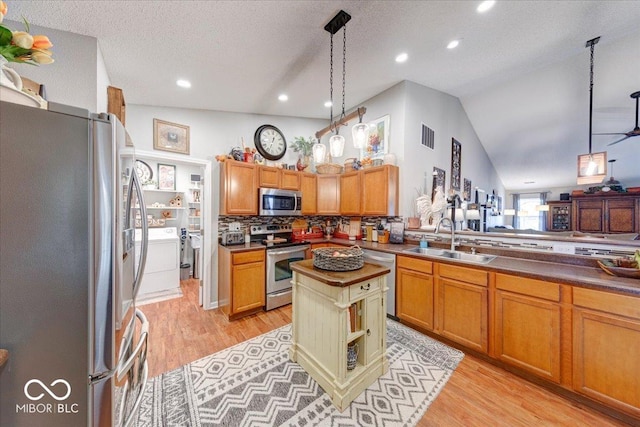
(303, 145)
(20, 46)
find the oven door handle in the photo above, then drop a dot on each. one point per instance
(285, 252)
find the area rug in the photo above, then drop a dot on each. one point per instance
(255, 384)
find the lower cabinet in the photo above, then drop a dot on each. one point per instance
(463, 306)
(527, 325)
(414, 291)
(606, 348)
(241, 281)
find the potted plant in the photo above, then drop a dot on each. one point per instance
(305, 148)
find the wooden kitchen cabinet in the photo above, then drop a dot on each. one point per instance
(379, 192)
(606, 345)
(414, 291)
(462, 307)
(350, 193)
(116, 104)
(241, 281)
(238, 188)
(615, 213)
(269, 177)
(308, 184)
(328, 194)
(290, 180)
(527, 325)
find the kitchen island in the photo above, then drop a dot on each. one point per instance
(335, 313)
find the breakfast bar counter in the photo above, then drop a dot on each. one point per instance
(339, 327)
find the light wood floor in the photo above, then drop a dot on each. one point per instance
(477, 394)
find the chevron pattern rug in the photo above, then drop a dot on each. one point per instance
(255, 384)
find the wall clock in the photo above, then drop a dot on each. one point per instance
(270, 142)
(144, 171)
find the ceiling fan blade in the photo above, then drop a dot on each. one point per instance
(620, 140)
(618, 133)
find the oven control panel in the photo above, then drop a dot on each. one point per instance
(270, 229)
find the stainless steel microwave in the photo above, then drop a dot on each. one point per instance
(280, 202)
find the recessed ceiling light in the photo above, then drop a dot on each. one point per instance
(283, 97)
(485, 5)
(402, 57)
(328, 104)
(453, 44)
(183, 83)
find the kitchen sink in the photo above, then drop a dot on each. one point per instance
(461, 256)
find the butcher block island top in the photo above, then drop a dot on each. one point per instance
(339, 327)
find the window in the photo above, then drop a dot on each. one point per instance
(528, 214)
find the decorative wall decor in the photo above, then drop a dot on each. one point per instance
(439, 176)
(456, 162)
(467, 190)
(378, 144)
(170, 137)
(166, 177)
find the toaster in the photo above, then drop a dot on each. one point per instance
(232, 238)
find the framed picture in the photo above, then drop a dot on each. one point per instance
(166, 177)
(456, 162)
(170, 137)
(439, 176)
(467, 190)
(378, 144)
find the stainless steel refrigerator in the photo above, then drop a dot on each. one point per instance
(69, 197)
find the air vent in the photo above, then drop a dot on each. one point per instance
(427, 136)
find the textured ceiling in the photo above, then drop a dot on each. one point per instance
(521, 70)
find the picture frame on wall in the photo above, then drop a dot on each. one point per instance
(378, 144)
(467, 190)
(171, 137)
(166, 177)
(456, 163)
(439, 177)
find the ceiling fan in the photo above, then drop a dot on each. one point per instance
(635, 131)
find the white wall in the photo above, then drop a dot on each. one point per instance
(73, 78)
(102, 81)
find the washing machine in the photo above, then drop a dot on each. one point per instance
(162, 271)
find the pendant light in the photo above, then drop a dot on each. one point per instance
(360, 132)
(590, 165)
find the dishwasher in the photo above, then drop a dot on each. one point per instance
(386, 260)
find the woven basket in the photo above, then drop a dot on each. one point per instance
(326, 168)
(350, 258)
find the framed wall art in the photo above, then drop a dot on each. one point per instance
(166, 177)
(467, 190)
(169, 136)
(439, 176)
(456, 162)
(378, 144)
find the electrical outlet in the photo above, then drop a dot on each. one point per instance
(564, 249)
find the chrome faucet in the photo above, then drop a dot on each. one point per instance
(453, 231)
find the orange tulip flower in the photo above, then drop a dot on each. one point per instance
(41, 42)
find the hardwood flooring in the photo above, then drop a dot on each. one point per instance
(477, 394)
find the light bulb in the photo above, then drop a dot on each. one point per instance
(336, 145)
(592, 168)
(360, 134)
(319, 153)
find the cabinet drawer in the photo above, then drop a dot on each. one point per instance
(531, 287)
(469, 275)
(622, 305)
(415, 264)
(361, 289)
(249, 256)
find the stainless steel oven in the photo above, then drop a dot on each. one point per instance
(280, 202)
(279, 273)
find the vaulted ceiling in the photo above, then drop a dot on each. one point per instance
(521, 70)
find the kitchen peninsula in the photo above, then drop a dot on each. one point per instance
(335, 313)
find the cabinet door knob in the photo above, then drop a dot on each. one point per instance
(365, 288)
(368, 332)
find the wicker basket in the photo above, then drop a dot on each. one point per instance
(326, 168)
(350, 258)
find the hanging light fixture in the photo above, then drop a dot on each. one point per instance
(360, 132)
(592, 167)
(336, 142)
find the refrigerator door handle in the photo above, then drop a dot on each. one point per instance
(135, 182)
(125, 367)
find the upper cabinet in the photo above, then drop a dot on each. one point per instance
(615, 213)
(308, 184)
(350, 193)
(290, 180)
(268, 177)
(238, 188)
(380, 191)
(328, 195)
